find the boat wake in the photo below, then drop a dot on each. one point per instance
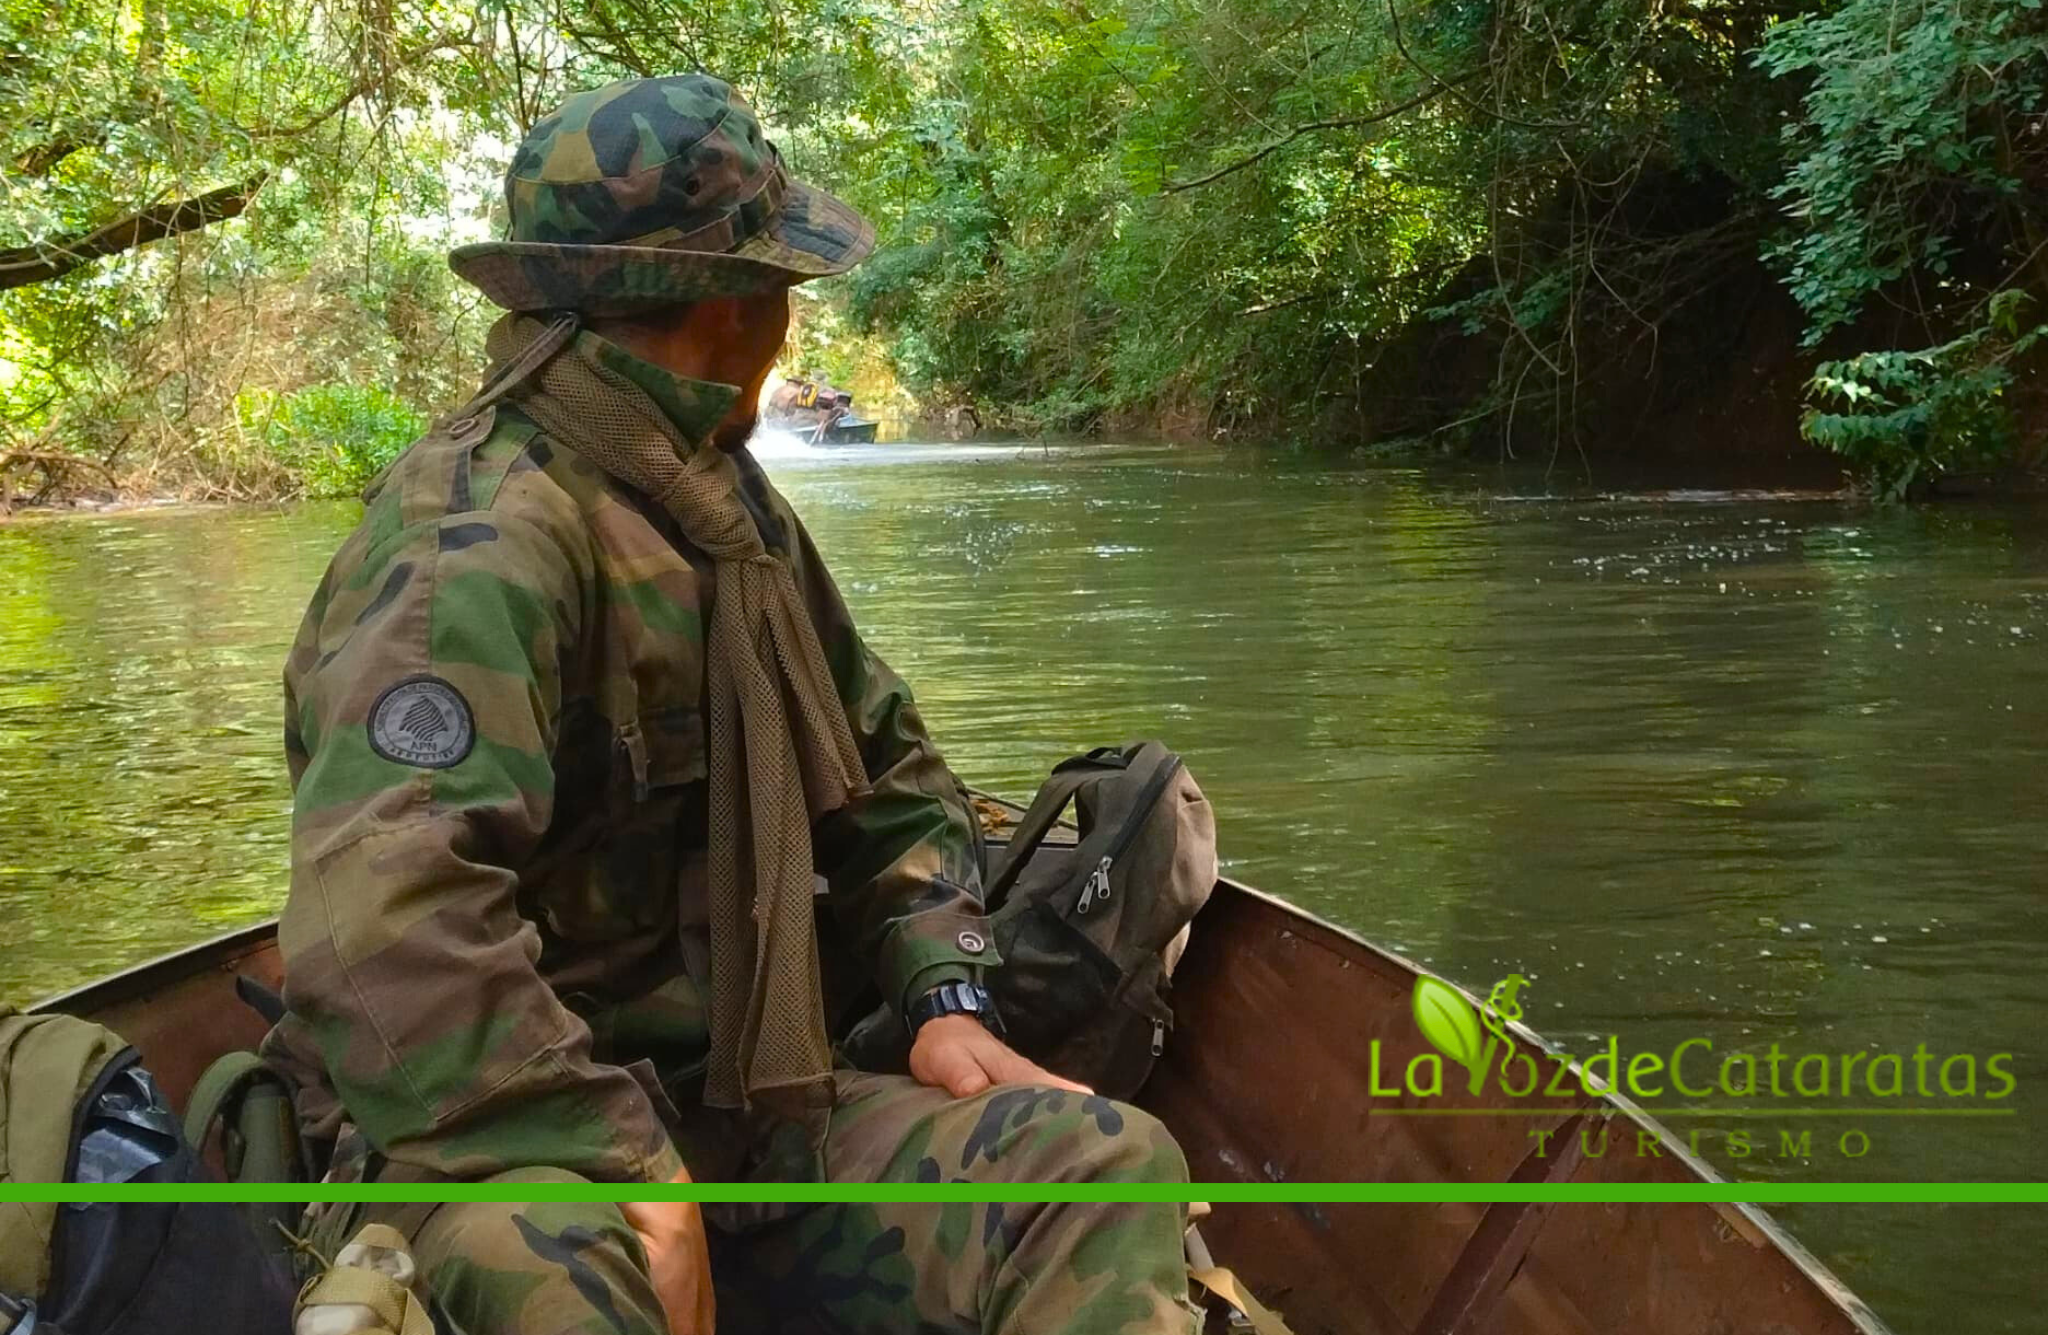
(772, 445)
(772, 442)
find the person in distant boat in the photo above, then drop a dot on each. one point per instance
(811, 405)
(572, 720)
(831, 409)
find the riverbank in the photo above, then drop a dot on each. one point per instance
(104, 505)
(1675, 460)
(1719, 392)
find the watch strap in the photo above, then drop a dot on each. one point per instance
(954, 998)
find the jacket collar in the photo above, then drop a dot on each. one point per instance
(693, 407)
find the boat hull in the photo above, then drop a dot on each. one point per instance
(851, 433)
(1270, 1078)
(846, 430)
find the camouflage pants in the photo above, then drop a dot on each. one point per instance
(1091, 1269)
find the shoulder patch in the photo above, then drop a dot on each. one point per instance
(422, 721)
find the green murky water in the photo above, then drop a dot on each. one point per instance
(1753, 772)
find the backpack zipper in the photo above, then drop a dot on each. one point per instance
(1097, 886)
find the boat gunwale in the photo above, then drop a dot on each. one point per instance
(137, 981)
(1752, 1216)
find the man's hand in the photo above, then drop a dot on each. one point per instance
(677, 1260)
(956, 1054)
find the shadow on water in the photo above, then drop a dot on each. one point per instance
(1748, 770)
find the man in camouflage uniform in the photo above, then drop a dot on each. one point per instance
(496, 958)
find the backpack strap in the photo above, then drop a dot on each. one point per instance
(1032, 827)
(367, 1291)
(18, 1315)
(252, 1101)
(1224, 1283)
(1140, 762)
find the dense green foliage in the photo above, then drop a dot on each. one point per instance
(1922, 174)
(1914, 136)
(1215, 216)
(288, 170)
(336, 437)
(1900, 415)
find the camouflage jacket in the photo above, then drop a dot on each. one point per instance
(494, 945)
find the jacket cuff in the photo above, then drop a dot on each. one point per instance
(663, 1164)
(662, 1161)
(927, 979)
(933, 948)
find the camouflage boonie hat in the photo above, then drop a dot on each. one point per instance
(656, 192)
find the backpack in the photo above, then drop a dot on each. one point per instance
(1089, 932)
(77, 1106)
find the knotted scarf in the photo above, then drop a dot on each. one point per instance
(782, 754)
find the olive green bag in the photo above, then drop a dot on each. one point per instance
(48, 1065)
(1089, 927)
(1090, 931)
(76, 1105)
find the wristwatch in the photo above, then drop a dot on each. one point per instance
(954, 999)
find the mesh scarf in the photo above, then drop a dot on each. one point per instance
(781, 751)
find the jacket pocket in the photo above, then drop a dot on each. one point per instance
(656, 750)
(621, 877)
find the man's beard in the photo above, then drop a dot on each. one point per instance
(734, 432)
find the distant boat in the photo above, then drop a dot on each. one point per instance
(1268, 1079)
(847, 430)
(818, 413)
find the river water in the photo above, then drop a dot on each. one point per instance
(1754, 772)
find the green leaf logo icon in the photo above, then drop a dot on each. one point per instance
(1448, 1022)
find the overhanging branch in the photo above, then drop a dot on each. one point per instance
(43, 159)
(54, 258)
(1338, 123)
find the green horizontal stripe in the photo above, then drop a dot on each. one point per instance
(1278, 1193)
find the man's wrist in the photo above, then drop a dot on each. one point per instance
(965, 999)
(930, 948)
